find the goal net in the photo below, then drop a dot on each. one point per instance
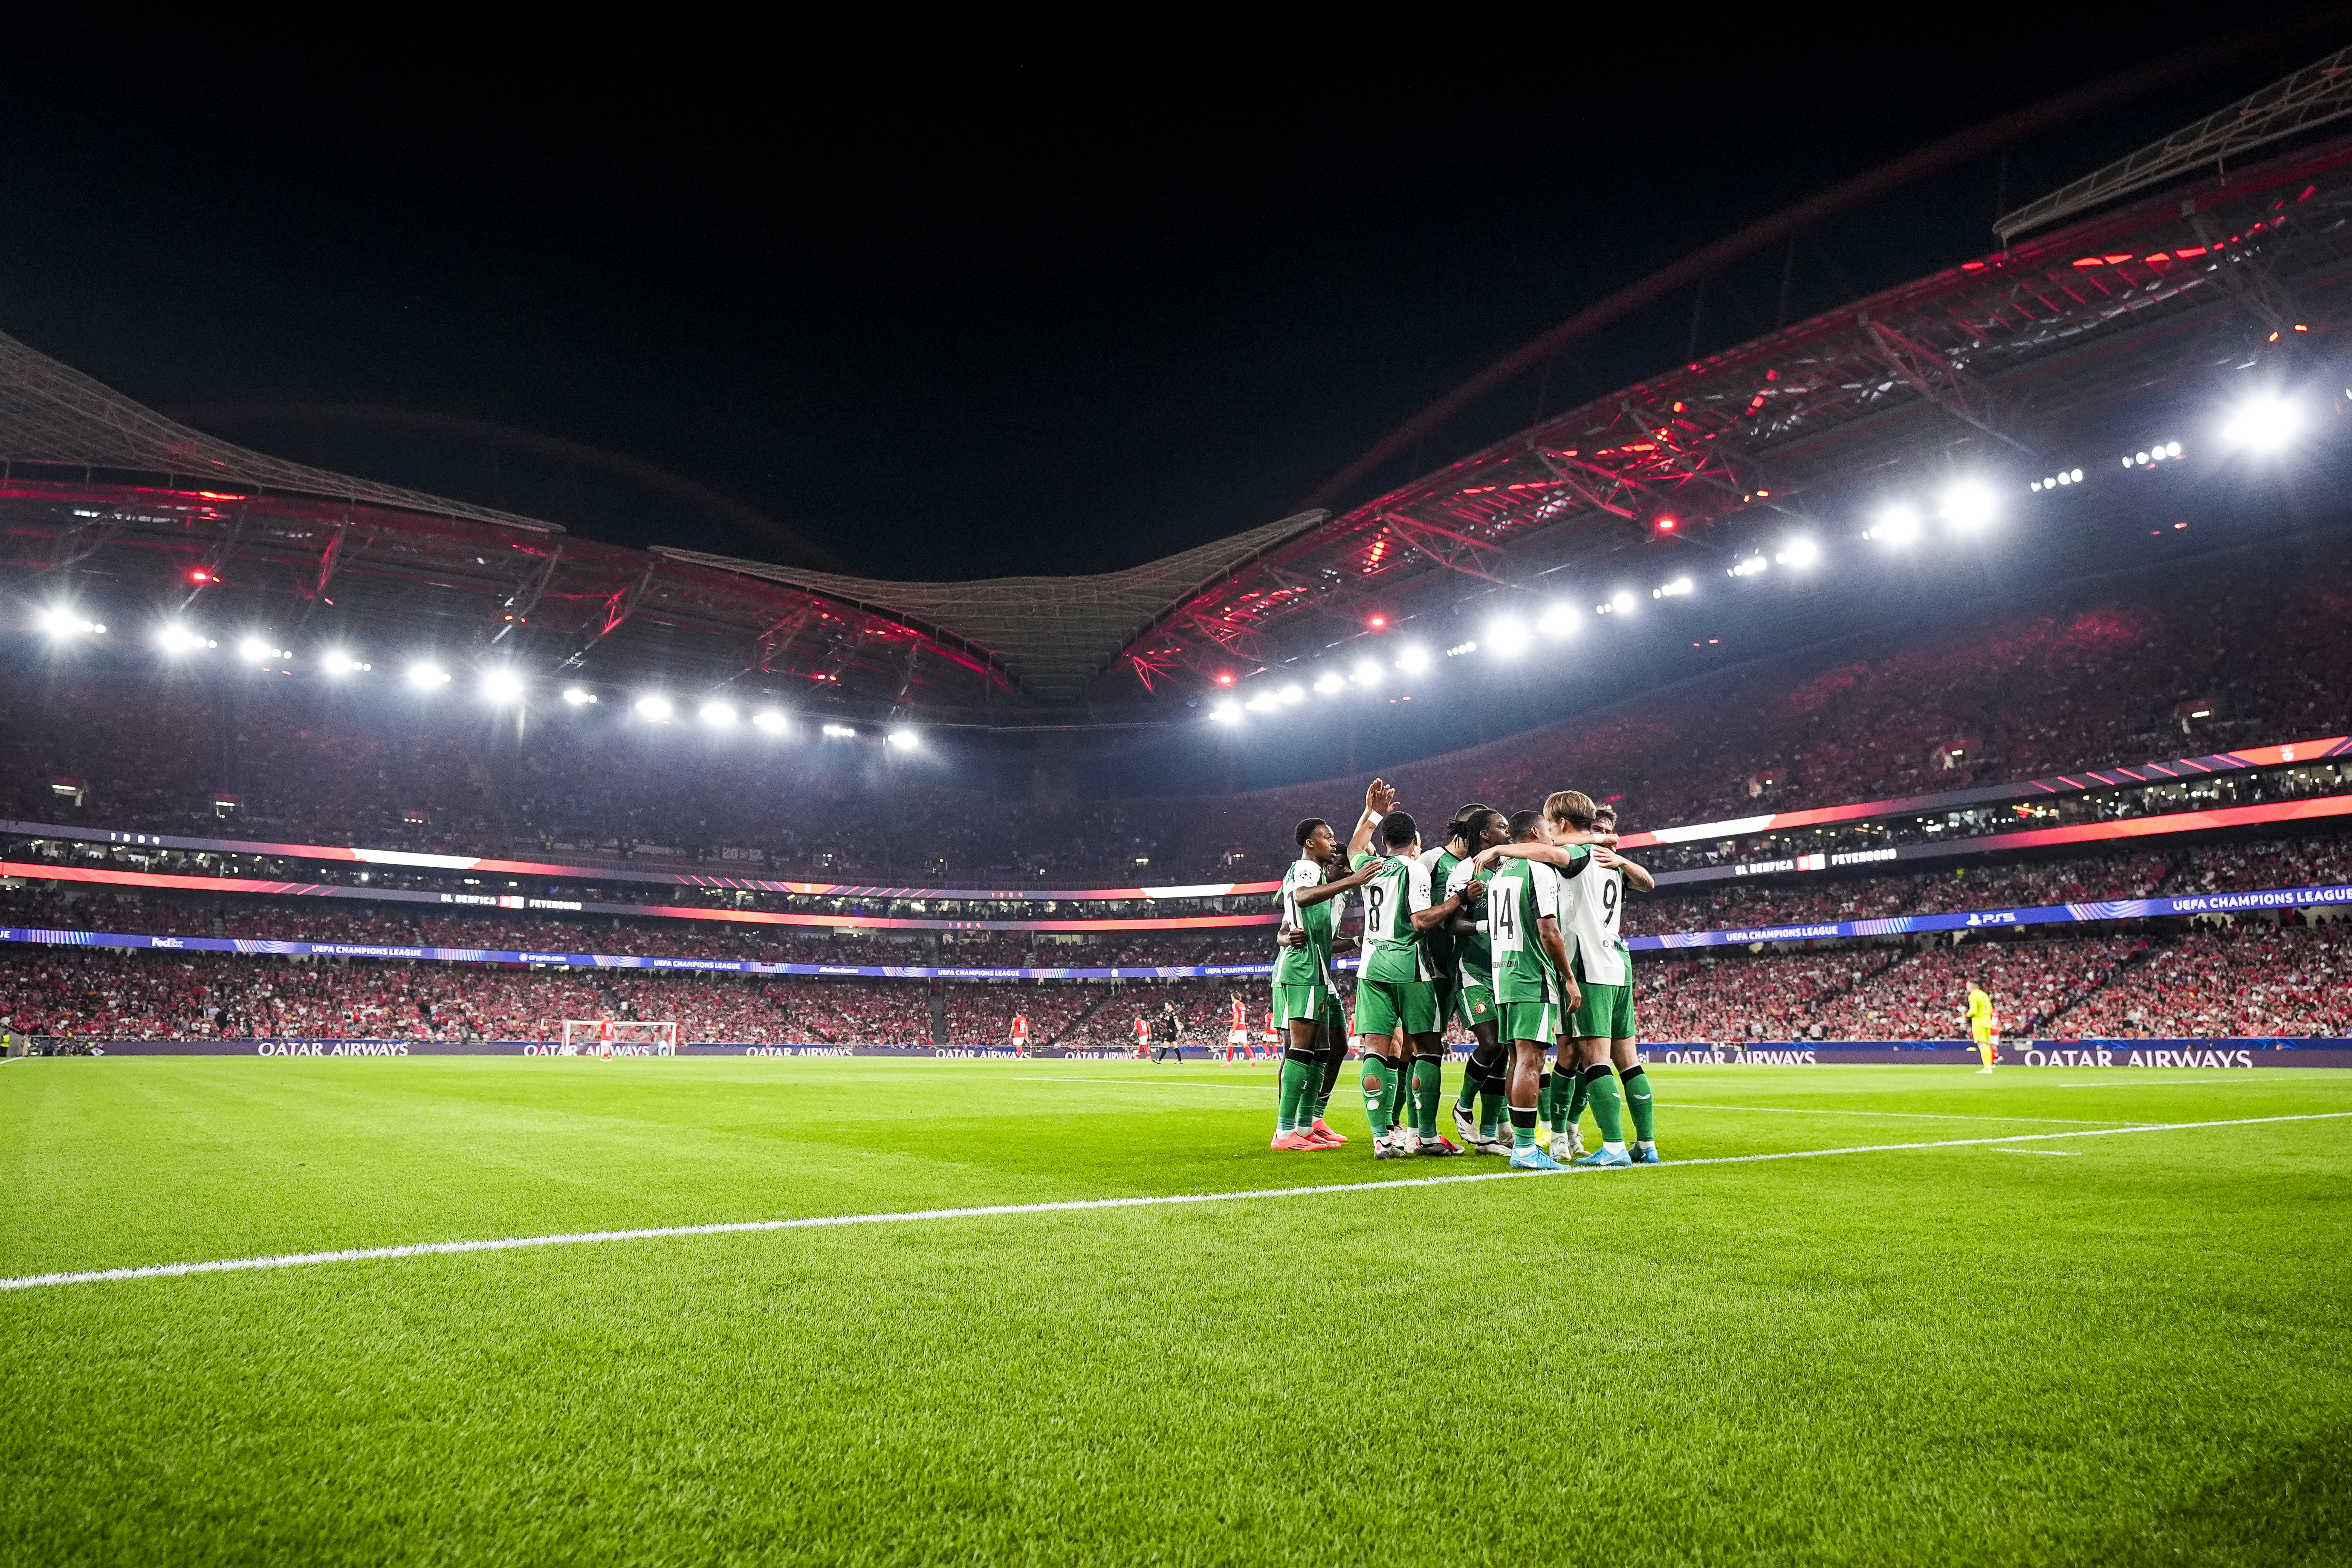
(618, 1037)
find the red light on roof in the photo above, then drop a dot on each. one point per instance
(1378, 621)
(1224, 680)
(200, 576)
(1665, 525)
(2113, 260)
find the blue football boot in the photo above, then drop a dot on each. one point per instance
(1534, 1159)
(1603, 1159)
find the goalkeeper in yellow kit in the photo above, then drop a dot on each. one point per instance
(1982, 1026)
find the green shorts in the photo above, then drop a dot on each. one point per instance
(1382, 1005)
(1298, 1002)
(1333, 1014)
(1476, 1006)
(1538, 1021)
(1607, 1014)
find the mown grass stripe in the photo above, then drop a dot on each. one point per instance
(1072, 1205)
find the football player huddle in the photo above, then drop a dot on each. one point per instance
(1509, 925)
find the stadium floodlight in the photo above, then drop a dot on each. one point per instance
(1967, 505)
(1896, 525)
(1557, 620)
(1413, 660)
(774, 722)
(1674, 590)
(1291, 693)
(337, 662)
(1260, 704)
(1749, 567)
(1799, 553)
(842, 731)
(1331, 681)
(654, 709)
(502, 686)
(904, 740)
(63, 623)
(253, 650)
(1226, 713)
(1368, 672)
(2263, 424)
(178, 638)
(1504, 636)
(578, 697)
(718, 715)
(427, 676)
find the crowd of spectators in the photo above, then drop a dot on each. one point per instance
(1925, 997)
(2250, 980)
(1722, 998)
(983, 1013)
(2255, 978)
(2144, 674)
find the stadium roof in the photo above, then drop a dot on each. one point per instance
(51, 413)
(2013, 357)
(1055, 635)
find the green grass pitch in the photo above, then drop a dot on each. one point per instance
(2123, 1349)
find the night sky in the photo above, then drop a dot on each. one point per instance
(979, 318)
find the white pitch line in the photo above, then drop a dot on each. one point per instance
(1146, 1083)
(1910, 1115)
(1073, 1205)
(2061, 1153)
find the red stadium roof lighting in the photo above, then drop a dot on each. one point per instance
(1378, 623)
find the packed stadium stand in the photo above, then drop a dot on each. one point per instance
(2111, 682)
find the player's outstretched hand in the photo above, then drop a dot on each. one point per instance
(1379, 798)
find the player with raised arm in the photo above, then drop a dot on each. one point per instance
(1532, 984)
(1604, 1027)
(1313, 903)
(1394, 991)
(1589, 917)
(1982, 1026)
(1486, 1076)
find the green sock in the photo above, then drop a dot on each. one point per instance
(1639, 1105)
(1605, 1105)
(1491, 1096)
(1523, 1128)
(1428, 1089)
(1376, 1093)
(1543, 1099)
(1394, 1105)
(1471, 1079)
(1577, 1099)
(1298, 1080)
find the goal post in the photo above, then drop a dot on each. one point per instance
(609, 1037)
